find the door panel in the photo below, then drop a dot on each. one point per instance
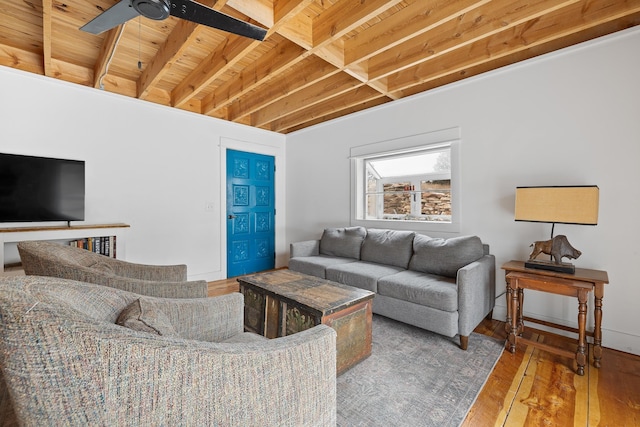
(250, 213)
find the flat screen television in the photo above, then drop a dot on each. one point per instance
(34, 189)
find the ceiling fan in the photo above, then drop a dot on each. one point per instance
(161, 9)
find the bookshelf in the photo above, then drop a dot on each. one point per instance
(11, 235)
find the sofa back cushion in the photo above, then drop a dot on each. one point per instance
(391, 247)
(343, 242)
(444, 257)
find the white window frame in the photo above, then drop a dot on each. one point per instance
(414, 143)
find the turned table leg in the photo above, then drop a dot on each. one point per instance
(581, 356)
(513, 308)
(507, 325)
(520, 329)
(597, 332)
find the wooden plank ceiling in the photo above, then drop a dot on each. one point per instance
(321, 59)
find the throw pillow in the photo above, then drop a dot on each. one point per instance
(343, 242)
(390, 247)
(444, 257)
(143, 315)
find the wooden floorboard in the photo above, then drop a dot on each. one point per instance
(536, 388)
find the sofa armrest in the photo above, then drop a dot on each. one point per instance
(205, 319)
(476, 293)
(306, 248)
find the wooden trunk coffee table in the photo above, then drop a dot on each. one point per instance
(283, 302)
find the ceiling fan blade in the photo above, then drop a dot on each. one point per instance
(195, 12)
(117, 14)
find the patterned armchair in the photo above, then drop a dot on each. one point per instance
(41, 258)
(66, 361)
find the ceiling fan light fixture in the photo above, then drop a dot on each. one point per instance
(152, 9)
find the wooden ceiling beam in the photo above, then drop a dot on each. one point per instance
(299, 31)
(46, 36)
(286, 10)
(259, 10)
(360, 107)
(107, 49)
(345, 15)
(270, 12)
(292, 23)
(575, 18)
(323, 49)
(341, 18)
(415, 19)
(221, 60)
(116, 84)
(468, 28)
(336, 21)
(278, 60)
(269, 66)
(312, 69)
(177, 42)
(21, 59)
(328, 106)
(215, 65)
(329, 87)
(551, 46)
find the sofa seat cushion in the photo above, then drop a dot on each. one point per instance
(342, 242)
(430, 290)
(390, 247)
(316, 265)
(444, 256)
(360, 274)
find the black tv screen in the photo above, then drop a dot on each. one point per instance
(36, 189)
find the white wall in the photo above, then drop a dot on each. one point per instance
(150, 166)
(570, 117)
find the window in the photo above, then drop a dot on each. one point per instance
(409, 187)
(412, 185)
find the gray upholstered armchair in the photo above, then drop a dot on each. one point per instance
(41, 258)
(66, 361)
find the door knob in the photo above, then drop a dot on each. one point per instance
(231, 216)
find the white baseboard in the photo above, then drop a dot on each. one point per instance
(613, 339)
(209, 276)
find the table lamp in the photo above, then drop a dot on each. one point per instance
(556, 204)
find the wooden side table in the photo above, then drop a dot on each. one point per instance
(576, 285)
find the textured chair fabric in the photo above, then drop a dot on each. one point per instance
(65, 362)
(41, 258)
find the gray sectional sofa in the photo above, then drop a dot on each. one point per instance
(443, 285)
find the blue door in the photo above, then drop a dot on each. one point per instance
(250, 213)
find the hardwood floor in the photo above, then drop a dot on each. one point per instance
(536, 388)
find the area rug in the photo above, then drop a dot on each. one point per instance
(414, 378)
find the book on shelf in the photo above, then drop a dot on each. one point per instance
(104, 245)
